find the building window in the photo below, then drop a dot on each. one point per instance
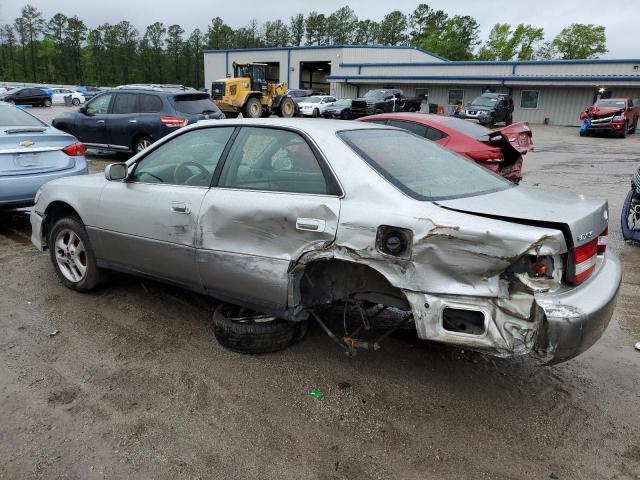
(422, 92)
(456, 96)
(529, 99)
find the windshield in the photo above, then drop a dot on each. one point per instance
(14, 117)
(194, 104)
(313, 100)
(611, 103)
(483, 101)
(420, 168)
(471, 129)
(342, 103)
(377, 94)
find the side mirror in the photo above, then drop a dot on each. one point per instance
(83, 110)
(115, 172)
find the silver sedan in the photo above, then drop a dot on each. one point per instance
(282, 218)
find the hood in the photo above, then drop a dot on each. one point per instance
(478, 108)
(581, 218)
(595, 112)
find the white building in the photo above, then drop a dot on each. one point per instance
(553, 91)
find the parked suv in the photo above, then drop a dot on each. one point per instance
(26, 96)
(489, 109)
(132, 117)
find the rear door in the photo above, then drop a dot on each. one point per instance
(122, 121)
(148, 224)
(275, 198)
(91, 126)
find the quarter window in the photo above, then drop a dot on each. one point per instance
(413, 127)
(529, 99)
(149, 103)
(272, 159)
(189, 159)
(100, 105)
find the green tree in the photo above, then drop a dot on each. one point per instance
(315, 28)
(341, 26)
(580, 41)
(456, 41)
(34, 26)
(174, 47)
(195, 43)
(296, 27)
(425, 20)
(276, 34)
(366, 32)
(93, 53)
(21, 31)
(392, 30)
(55, 31)
(507, 44)
(75, 34)
(152, 44)
(9, 43)
(219, 34)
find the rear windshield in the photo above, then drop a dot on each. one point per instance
(468, 128)
(194, 104)
(14, 117)
(482, 101)
(421, 168)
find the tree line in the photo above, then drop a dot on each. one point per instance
(66, 50)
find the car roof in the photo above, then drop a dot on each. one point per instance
(416, 117)
(307, 125)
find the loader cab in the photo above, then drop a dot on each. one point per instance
(256, 72)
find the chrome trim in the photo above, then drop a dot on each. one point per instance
(31, 150)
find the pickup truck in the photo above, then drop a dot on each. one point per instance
(386, 100)
(617, 116)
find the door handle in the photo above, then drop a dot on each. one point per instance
(179, 207)
(100, 121)
(133, 121)
(310, 224)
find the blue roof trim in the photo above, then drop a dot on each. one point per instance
(319, 47)
(500, 78)
(451, 63)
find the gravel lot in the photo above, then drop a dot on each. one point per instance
(133, 385)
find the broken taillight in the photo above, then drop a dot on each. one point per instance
(486, 155)
(585, 261)
(75, 149)
(602, 241)
(174, 121)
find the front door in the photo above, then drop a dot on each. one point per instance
(276, 198)
(148, 223)
(91, 127)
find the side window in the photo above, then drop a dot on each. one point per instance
(100, 105)
(125, 103)
(434, 134)
(149, 103)
(189, 159)
(272, 159)
(379, 122)
(413, 127)
(331, 99)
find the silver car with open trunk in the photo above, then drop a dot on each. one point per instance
(281, 218)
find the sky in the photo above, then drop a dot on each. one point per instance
(620, 19)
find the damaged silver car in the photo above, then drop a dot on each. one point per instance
(281, 218)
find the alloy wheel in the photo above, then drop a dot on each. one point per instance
(71, 255)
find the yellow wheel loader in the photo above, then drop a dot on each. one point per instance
(249, 93)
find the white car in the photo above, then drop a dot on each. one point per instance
(314, 106)
(59, 93)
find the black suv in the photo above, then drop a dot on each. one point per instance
(26, 96)
(489, 109)
(132, 117)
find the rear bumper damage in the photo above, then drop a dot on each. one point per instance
(553, 326)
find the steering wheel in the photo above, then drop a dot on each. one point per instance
(182, 174)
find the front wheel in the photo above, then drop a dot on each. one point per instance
(625, 129)
(287, 108)
(72, 255)
(46, 103)
(252, 108)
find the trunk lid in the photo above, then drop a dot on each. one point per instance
(33, 150)
(580, 219)
(517, 137)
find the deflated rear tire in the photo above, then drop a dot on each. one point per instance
(72, 255)
(244, 331)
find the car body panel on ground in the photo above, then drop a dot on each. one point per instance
(499, 151)
(302, 213)
(31, 154)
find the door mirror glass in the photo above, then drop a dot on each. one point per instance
(83, 110)
(116, 171)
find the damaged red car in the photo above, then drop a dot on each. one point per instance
(500, 151)
(613, 116)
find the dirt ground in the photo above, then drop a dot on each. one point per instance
(133, 385)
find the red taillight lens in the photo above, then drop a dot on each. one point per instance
(585, 261)
(75, 150)
(486, 155)
(174, 121)
(602, 241)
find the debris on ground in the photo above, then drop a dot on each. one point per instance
(54, 333)
(638, 346)
(344, 385)
(316, 393)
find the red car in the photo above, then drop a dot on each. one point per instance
(500, 151)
